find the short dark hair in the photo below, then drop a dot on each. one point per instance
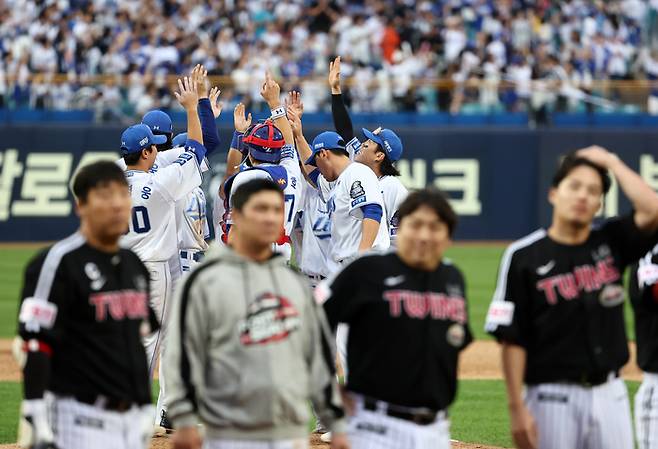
(250, 188)
(132, 158)
(434, 199)
(95, 175)
(572, 161)
(338, 152)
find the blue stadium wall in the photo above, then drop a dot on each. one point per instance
(497, 179)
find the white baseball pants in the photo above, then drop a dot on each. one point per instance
(368, 429)
(580, 417)
(256, 444)
(646, 412)
(82, 426)
(161, 295)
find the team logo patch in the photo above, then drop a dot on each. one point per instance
(95, 276)
(269, 318)
(356, 190)
(359, 201)
(456, 335)
(612, 295)
(395, 219)
(500, 313)
(37, 314)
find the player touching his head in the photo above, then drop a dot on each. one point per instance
(153, 233)
(558, 310)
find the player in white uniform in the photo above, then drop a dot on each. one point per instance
(191, 220)
(379, 152)
(273, 156)
(153, 234)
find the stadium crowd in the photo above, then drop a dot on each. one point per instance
(510, 55)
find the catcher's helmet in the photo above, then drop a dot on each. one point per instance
(264, 142)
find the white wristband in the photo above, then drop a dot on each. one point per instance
(278, 112)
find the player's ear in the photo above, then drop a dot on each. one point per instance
(552, 192)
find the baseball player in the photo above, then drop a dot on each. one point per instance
(237, 154)
(272, 156)
(84, 309)
(353, 198)
(379, 152)
(249, 346)
(408, 322)
(153, 232)
(643, 292)
(558, 310)
(191, 220)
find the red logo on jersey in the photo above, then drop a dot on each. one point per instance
(585, 278)
(120, 304)
(269, 318)
(421, 304)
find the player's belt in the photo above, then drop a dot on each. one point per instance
(107, 403)
(594, 379)
(420, 416)
(189, 255)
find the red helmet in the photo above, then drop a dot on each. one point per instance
(264, 142)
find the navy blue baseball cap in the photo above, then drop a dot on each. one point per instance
(139, 137)
(388, 140)
(328, 140)
(179, 140)
(158, 121)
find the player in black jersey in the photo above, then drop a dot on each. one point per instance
(643, 292)
(558, 310)
(83, 313)
(408, 321)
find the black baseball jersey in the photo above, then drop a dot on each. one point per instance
(92, 309)
(643, 291)
(406, 329)
(564, 303)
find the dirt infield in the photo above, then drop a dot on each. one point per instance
(481, 360)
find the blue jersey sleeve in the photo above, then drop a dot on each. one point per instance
(373, 211)
(208, 125)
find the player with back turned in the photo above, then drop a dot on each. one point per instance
(153, 233)
(408, 322)
(85, 308)
(558, 310)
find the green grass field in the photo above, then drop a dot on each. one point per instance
(479, 414)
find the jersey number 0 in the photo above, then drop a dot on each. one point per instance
(140, 220)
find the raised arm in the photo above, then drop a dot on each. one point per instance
(271, 94)
(188, 97)
(205, 110)
(342, 120)
(642, 196)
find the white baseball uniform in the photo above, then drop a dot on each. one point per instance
(355, 187)
(153, 233)
(369, 429)
(394, 193)
(82, 426)
(292, 188)
(315, 241)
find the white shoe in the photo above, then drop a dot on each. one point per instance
(326, 437)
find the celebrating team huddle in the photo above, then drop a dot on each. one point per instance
(321, 258)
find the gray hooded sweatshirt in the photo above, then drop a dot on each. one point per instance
(247, 348)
